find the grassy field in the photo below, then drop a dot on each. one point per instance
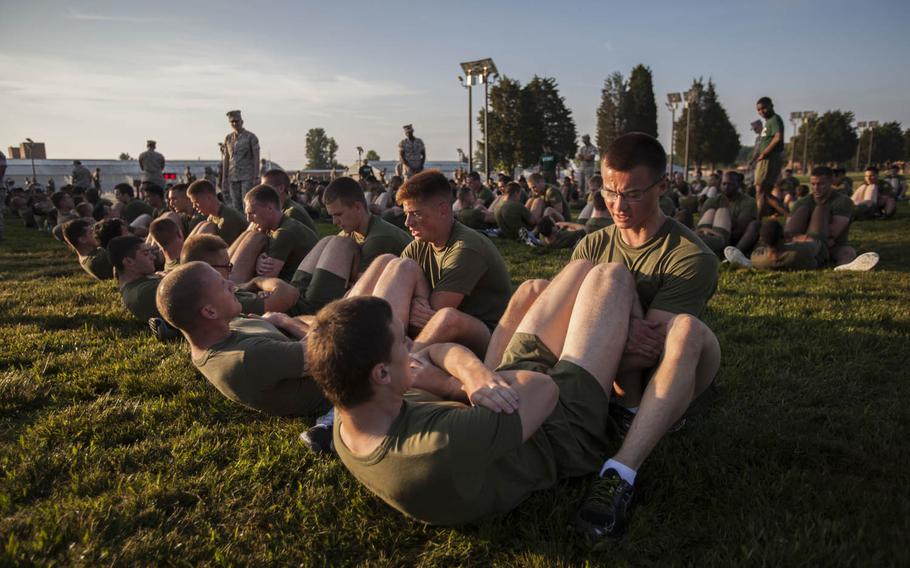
(114, 451)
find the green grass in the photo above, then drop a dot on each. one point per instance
(114, 451)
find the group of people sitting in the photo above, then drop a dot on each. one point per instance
(446, 394)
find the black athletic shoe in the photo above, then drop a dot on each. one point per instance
(607, 509)
(162, 330)
(318, 439)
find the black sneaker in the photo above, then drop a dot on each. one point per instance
(318, 439)
(162, 330)
(607, 509)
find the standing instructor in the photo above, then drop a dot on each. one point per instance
(240, 169)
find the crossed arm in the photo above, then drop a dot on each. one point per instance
(532, 395)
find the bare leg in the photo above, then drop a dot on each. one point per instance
(232, 248)
(707, 219)
(309, 262)
(798, 223)
(818, 224)
(244, 256)
(205, 228)
(450, 325)
(722, 220)
(750, 237)
(519, 304)
(366, 283)
(397, 285)
(690, 362)
(548, 317)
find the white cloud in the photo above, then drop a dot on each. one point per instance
(87, 17)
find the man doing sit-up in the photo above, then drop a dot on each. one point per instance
(221, 219)
(80, 235)
(249, 360)
(136, 276)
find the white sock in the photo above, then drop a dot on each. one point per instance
(625, 472)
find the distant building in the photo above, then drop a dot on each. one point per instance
(27, 151)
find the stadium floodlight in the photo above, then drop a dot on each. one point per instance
(467, 84)
(485, 71)
(673, 102)
(691, 98)
(796, 115)
(31, 152)
(861, 125)
(873, 124)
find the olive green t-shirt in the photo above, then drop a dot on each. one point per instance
(472, 218)
(139, 297)
(840, 205)
(468, 264)
(444, 463)
(741, 206)
(250, 302)
(382, 238)
(674, 270)
(290, 242)
(189, 222)
(667, 206)
(557, 200)
(485, 196)
(135, 208)
(597, 223)
(98, 264)
(512, 216)
(773, 125)
(259, 367)
(230, 223)
(297, 212)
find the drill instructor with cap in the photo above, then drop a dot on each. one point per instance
(412, 154)
(151, 162)
(240, 169)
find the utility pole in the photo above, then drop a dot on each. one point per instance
(691, 97)
(673, 101)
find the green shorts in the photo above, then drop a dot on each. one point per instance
(579, 426)
(716, 243)
(316, 291)
(767, 172)
(794, 256)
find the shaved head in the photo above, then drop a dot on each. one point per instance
(181, 294)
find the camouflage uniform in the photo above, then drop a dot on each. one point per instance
(152, 164)
(241, 165)
(413, 151)
(586, 155)
(82, 177)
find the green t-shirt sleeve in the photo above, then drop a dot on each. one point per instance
(281, 243)
(373, 247)
(250, 302)
(842, 208)
(479, 436)
(525, 215)
(410, 251)
(586, 249)
(461, 271)
(687, 288)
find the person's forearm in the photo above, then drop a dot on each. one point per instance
(282, 295)
(459, 362)
(295, 327)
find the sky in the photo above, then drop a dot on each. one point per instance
(93, 79)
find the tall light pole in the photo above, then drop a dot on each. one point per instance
(872, 125)
(31, 153)
(360, 154)
(795, 118)
(467, 83)
(808, 115)
(483, 70)
(862, 128)
(673, 101)
(691, 98)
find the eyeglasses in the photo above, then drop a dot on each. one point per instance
(229, 266)
(630, 195)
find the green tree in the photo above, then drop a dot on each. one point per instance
(546, 109)
(505, 121)
(609, 113)
(124, 156)
(712, 137)
(639, 113)
(372, 156)
(320, 150)
(887, 144)
(907, 144)
(832, 138)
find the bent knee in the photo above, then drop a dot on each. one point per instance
(616, 273)
(532, 288)
(339, 244)
(687, 326)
